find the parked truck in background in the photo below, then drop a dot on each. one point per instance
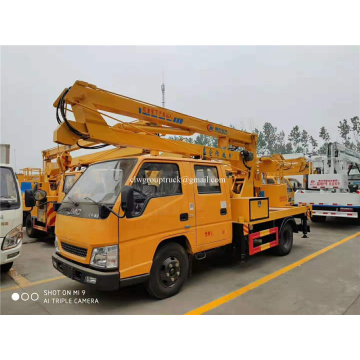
(10, 212)
(295, 166)
(56, 179)
(333, 187)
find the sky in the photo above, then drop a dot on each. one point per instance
(246, 86)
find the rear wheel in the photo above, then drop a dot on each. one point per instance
(318, 219)
(30, 231)
(6, 267)
(285, 241)
(168, 272)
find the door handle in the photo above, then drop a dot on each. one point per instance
(184, 217)
(223, 211)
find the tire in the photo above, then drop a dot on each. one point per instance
(30, 231)
(6, 267)
(285, 241)
(164, 279)
(318, 219)
(25, 215)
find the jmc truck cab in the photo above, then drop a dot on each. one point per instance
(10, 218)
(143, 218)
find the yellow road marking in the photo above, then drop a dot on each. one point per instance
(47, 280)
(10, 288)
(19, 279)
(213, 304)
(33, 283)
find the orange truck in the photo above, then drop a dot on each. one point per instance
(278, 170)
(143, 218)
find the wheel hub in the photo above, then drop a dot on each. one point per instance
(170, 271)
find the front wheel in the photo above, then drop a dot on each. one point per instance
(6, 267)
(285, 241)
(30, 231)
(168, 272)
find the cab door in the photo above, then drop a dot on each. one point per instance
(212, 207)
(164, 214)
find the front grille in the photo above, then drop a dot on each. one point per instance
(78, 251)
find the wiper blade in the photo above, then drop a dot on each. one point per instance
(74, 202)
(99, 204)
(95, 202)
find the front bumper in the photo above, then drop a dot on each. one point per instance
(10, 255)
(104, 280)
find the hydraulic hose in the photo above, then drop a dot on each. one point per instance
(61, 107)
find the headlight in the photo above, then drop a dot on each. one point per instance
(105, 257)
(13, 238)
(56, 243)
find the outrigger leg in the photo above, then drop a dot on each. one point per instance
(304, 227)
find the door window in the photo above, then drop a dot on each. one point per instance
(207, 179)
(158, 179)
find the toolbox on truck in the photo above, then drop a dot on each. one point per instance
(250, 208)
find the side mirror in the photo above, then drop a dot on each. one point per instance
(127, 200)
(29, 198)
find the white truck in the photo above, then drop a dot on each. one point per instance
(10, 213)
(333, 189)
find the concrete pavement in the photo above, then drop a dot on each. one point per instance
(327, 284)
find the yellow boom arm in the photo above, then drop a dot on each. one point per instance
(89, 104)
(278, 166)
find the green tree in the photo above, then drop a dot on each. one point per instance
(280, 146)
(261, 144)
(288, 148)
(270, 141)
(205, 140)
(324, 135)
(344, 130)
(313, 143)
(200, 139)
(304, 141)
(270, 137)
(295, 139)
(355, 127)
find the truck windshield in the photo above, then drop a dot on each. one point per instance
(101, 182)
(8, 189)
